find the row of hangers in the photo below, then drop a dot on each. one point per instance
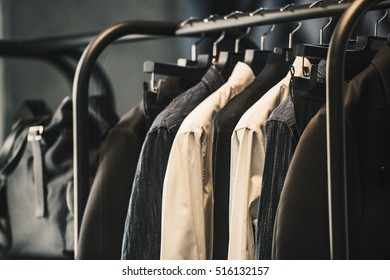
(359, 52)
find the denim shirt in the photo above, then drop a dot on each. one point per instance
(281, 138)
(142, 235)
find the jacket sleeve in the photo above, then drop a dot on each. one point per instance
(183, 233)
(280, 146)
(247, 161)
(141, 239)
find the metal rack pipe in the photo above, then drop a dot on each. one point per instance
(80, 101)
(337, 182)
(271, 16)
(150, 28)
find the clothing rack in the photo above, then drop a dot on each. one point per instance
(335, 126)
(337, 178)
(39, 49)
(62, 52)
(54, 45)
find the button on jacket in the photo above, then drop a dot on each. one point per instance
(247, 161)
(187, 214)
(142, 236)
(101, 232)
(225, 121)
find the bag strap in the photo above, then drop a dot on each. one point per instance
(14, 145)
(12, 149)
(34, 137)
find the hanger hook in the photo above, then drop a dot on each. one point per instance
(379, 21)
(261, 12)
(287, 7)
(215, 45)
(290, 37)
(233, 14)
(264, 36)
(344, 1)
(194, 47)
(330, 19)
(238, 40)
(210, 17)
(316, 3)
(190, 20)
(258, 11)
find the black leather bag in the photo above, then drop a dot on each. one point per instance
(36, 166)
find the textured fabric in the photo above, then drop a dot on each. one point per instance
(225, 122)
(101, 231)
(247, 160)
(281, 138)
(187, 214)
(142, 236)
(301, 224)
(308, 99)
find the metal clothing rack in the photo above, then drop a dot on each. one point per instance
(63, 52)
(335, 122)
(337, 189)
(54, 45)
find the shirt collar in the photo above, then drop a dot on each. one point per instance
(213, 79)
(241, 76)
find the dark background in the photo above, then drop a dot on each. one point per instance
(22, 19)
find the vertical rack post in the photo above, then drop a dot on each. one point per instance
(335, 122)
(80, 102)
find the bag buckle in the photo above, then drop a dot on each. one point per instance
(35, 133)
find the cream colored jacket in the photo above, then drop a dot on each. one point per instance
(187, 205)
(247, 162)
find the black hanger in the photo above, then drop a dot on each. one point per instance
(361, 50)
(365, 49)
(358, 55)
(197, 60)
(288, 53)
(257, 59)
(168, 69)
(202, 60)
(193, 69)
(227, 61)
